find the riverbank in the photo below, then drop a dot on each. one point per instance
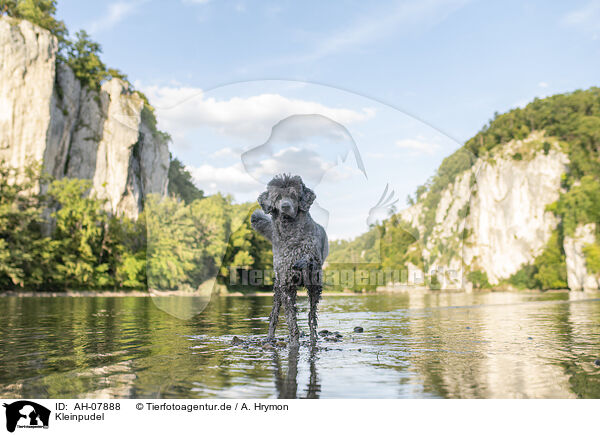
(301, 293)
(137, 293)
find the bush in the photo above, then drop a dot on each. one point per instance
(580, 205)
(551, 265)
(525, 278)
(546, 147)
(479, 279)
(40, 12)
(592, 257)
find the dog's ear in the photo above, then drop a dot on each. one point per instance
(265, 202)
(307, 198)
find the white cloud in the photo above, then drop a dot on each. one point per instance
(235, 179)
(181, 109)
(116, 13)
(417, 145)
(230, 179)
(226, 152)
(585, 18)
(543, 84)
(309, 164)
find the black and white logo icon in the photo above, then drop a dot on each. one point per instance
(26, 414)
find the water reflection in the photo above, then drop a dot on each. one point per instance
(287, 385)
(414, 345)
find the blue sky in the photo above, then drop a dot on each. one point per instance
(411, 80)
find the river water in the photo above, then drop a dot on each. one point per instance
(422, 345)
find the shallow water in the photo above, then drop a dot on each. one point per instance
(431, 345)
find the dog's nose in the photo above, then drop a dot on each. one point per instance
(286, 205)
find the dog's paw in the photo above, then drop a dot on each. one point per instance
(258, 215)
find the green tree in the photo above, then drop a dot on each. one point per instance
(83, 56)
(40, 12)
(580, 205)
(172, 249)
(592, 256)
(479, 279)
(181, 184)
(78, 240)
(126, 251)
(551, 265)
(21, 225)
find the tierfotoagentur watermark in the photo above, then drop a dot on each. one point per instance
(352, 277)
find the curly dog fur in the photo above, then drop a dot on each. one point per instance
(299, 249)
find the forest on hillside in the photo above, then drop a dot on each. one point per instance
(574, 120)
(62, 237)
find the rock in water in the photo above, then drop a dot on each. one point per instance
(597, 363)
(268, 346)
(324, 332)
(236, 340)
(281, 344)
(358, 329)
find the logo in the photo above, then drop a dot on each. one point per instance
(26, 414)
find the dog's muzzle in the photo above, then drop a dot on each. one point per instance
(287, 207)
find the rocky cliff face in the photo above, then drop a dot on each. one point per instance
(578, 276)
(493, 217)
(47, 116)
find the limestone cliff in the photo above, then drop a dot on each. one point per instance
(47, 116)
(493, 217)
(578, 276)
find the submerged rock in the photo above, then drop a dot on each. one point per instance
(236, 341)
(281, 344)
(597, 363)
(324, 332)
(359, 329)
(268, 346)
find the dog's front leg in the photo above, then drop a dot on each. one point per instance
(262, 223)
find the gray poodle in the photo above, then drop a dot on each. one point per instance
(299, 249)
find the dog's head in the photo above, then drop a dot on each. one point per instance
(286, 196)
